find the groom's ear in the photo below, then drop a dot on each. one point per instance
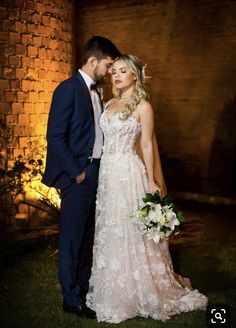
(92, 61)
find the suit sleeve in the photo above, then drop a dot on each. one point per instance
(58, 124)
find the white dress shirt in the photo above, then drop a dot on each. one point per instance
(97, 110)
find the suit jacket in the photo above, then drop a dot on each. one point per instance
(70, 132)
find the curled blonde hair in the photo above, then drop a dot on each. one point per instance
(138, 69)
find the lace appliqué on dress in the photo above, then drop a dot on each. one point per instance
(131, 276)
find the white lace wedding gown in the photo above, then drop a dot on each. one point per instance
(131, 276)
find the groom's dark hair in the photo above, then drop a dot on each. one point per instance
(99, 47)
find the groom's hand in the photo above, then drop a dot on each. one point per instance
(80, 177)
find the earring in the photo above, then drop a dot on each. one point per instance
(135, 78)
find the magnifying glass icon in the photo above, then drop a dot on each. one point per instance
(218, 316)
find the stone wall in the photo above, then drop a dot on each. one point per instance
(36, 52)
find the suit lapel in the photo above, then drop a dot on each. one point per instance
(86, 93)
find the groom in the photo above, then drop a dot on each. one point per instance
(73, 153)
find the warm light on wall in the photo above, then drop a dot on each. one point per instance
(37, 54)
(34, 193)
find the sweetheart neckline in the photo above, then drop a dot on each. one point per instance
(107, 117)
(110, 119)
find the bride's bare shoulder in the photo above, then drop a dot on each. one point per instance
(110, 102)
(144, 106)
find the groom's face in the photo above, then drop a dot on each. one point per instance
(102, 67)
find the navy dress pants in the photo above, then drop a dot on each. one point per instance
(76, 236)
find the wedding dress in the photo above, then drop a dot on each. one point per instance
(131, 276)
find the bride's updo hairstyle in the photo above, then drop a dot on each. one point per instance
(138, 69)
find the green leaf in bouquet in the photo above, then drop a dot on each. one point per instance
(180, 216)
(148, 198)
(152, 197)
(167, 200)
(144, 211)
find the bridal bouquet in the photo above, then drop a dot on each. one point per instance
(158, 218)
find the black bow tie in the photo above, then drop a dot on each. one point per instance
(93, 86)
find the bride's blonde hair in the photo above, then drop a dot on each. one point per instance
(138, 69)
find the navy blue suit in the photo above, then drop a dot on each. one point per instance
(70, 137)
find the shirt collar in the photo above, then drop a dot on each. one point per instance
(87, 79)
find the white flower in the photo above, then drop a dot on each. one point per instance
(152, 216)
(162, 219)
(154, 234)
(154, 220)
(158, 209)
(172, 224)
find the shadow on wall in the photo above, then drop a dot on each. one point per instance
(222, 163)
(180, 166)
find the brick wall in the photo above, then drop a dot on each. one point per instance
(36, 52)
(190, 48)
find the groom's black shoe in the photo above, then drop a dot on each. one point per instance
(88, 313)
(73, 309)
(80, 310)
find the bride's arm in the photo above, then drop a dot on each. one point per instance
(146, 114)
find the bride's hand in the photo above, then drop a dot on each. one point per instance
(153, 186)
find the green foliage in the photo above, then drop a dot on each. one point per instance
(180, 216)
(21, 183)
(22, 172)
(163, 201)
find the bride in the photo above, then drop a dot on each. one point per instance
(131, 276)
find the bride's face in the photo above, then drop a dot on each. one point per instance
(121, 76)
